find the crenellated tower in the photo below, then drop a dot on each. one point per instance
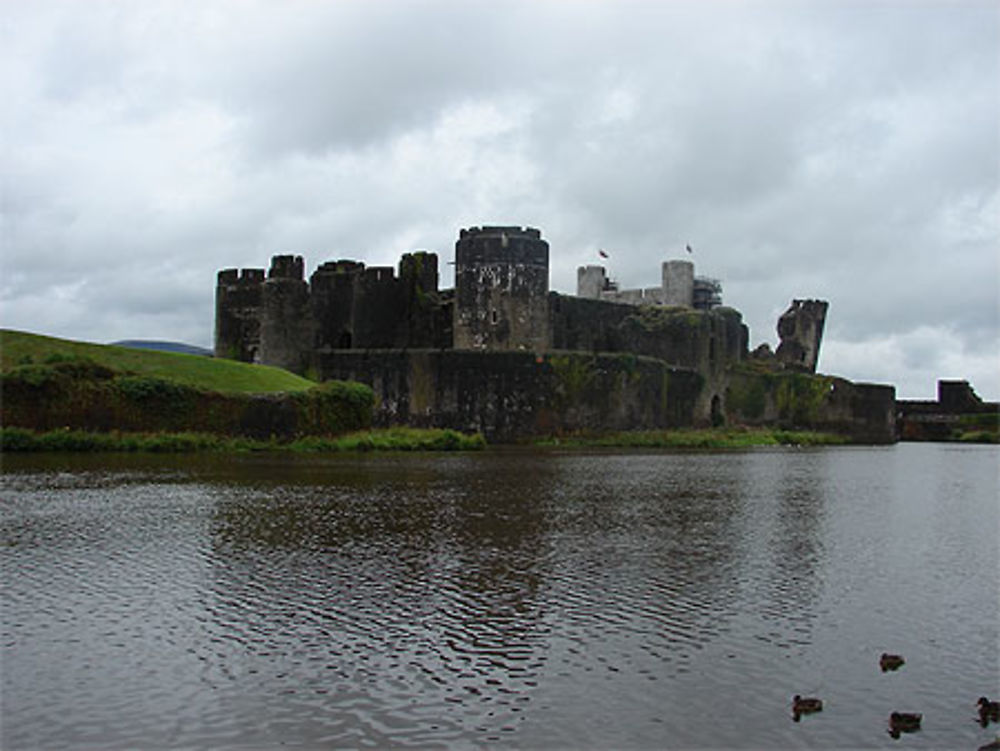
(238, 296)
(286, 322)
(501, 288)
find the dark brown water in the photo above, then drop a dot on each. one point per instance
(574, 600)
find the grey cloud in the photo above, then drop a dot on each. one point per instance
(358, 75)
(846, 151)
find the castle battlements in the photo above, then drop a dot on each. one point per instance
(241, 276)
(501, 301)
(287, 267)
(485, 231)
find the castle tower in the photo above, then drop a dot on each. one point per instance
(378, 309)
(423, 317)
(420, 271)
(801, 331)
(238, 295)
(286, 323)
(501, 288)
(331, 292)
(678, 283)
(591, 281)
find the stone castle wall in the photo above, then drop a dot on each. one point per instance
(866, 413)
(958, 409)
(511, 395)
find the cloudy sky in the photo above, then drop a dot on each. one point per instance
(843, 150)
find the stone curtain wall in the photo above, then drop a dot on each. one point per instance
(958, 411)
(866, 413)
(513, 395)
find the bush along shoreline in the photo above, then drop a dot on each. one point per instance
(693, 438)
(23, 440)
(83, 395)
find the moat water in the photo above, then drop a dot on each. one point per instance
(508, 598)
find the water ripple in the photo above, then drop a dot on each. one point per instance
(524, 600)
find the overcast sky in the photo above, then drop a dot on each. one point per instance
(848, 151)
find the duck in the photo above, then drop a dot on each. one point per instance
(988, 710)
(905, 722)
(806, 704)
(890, 662)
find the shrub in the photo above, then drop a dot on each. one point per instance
(30, 376)
(17, 439)
(78, 367)
(144, 389)
(979, 436)
(334, 407)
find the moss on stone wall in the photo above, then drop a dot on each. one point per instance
(793, 398)
(573, 376)
(512, 395)
(801, 401)
(800, 397)
(664, 391)
(421, 386)
(748, 396)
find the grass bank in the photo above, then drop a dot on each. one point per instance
(21, 440)
(79, 394)
(19, 350)
(50, 385)
(717, 438)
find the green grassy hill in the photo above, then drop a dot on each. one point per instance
(60, 395)
(225, 376)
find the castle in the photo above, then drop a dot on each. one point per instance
(501, 352)
(501, 301)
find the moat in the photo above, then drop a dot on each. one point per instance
(508, 598)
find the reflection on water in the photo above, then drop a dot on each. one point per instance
(533, 600)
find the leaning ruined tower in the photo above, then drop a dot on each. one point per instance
(501, 289)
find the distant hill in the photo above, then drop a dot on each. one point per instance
(187, 349)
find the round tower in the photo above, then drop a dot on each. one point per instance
(501, 288)
(678, 283)
(286, 327)
(591, 281)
